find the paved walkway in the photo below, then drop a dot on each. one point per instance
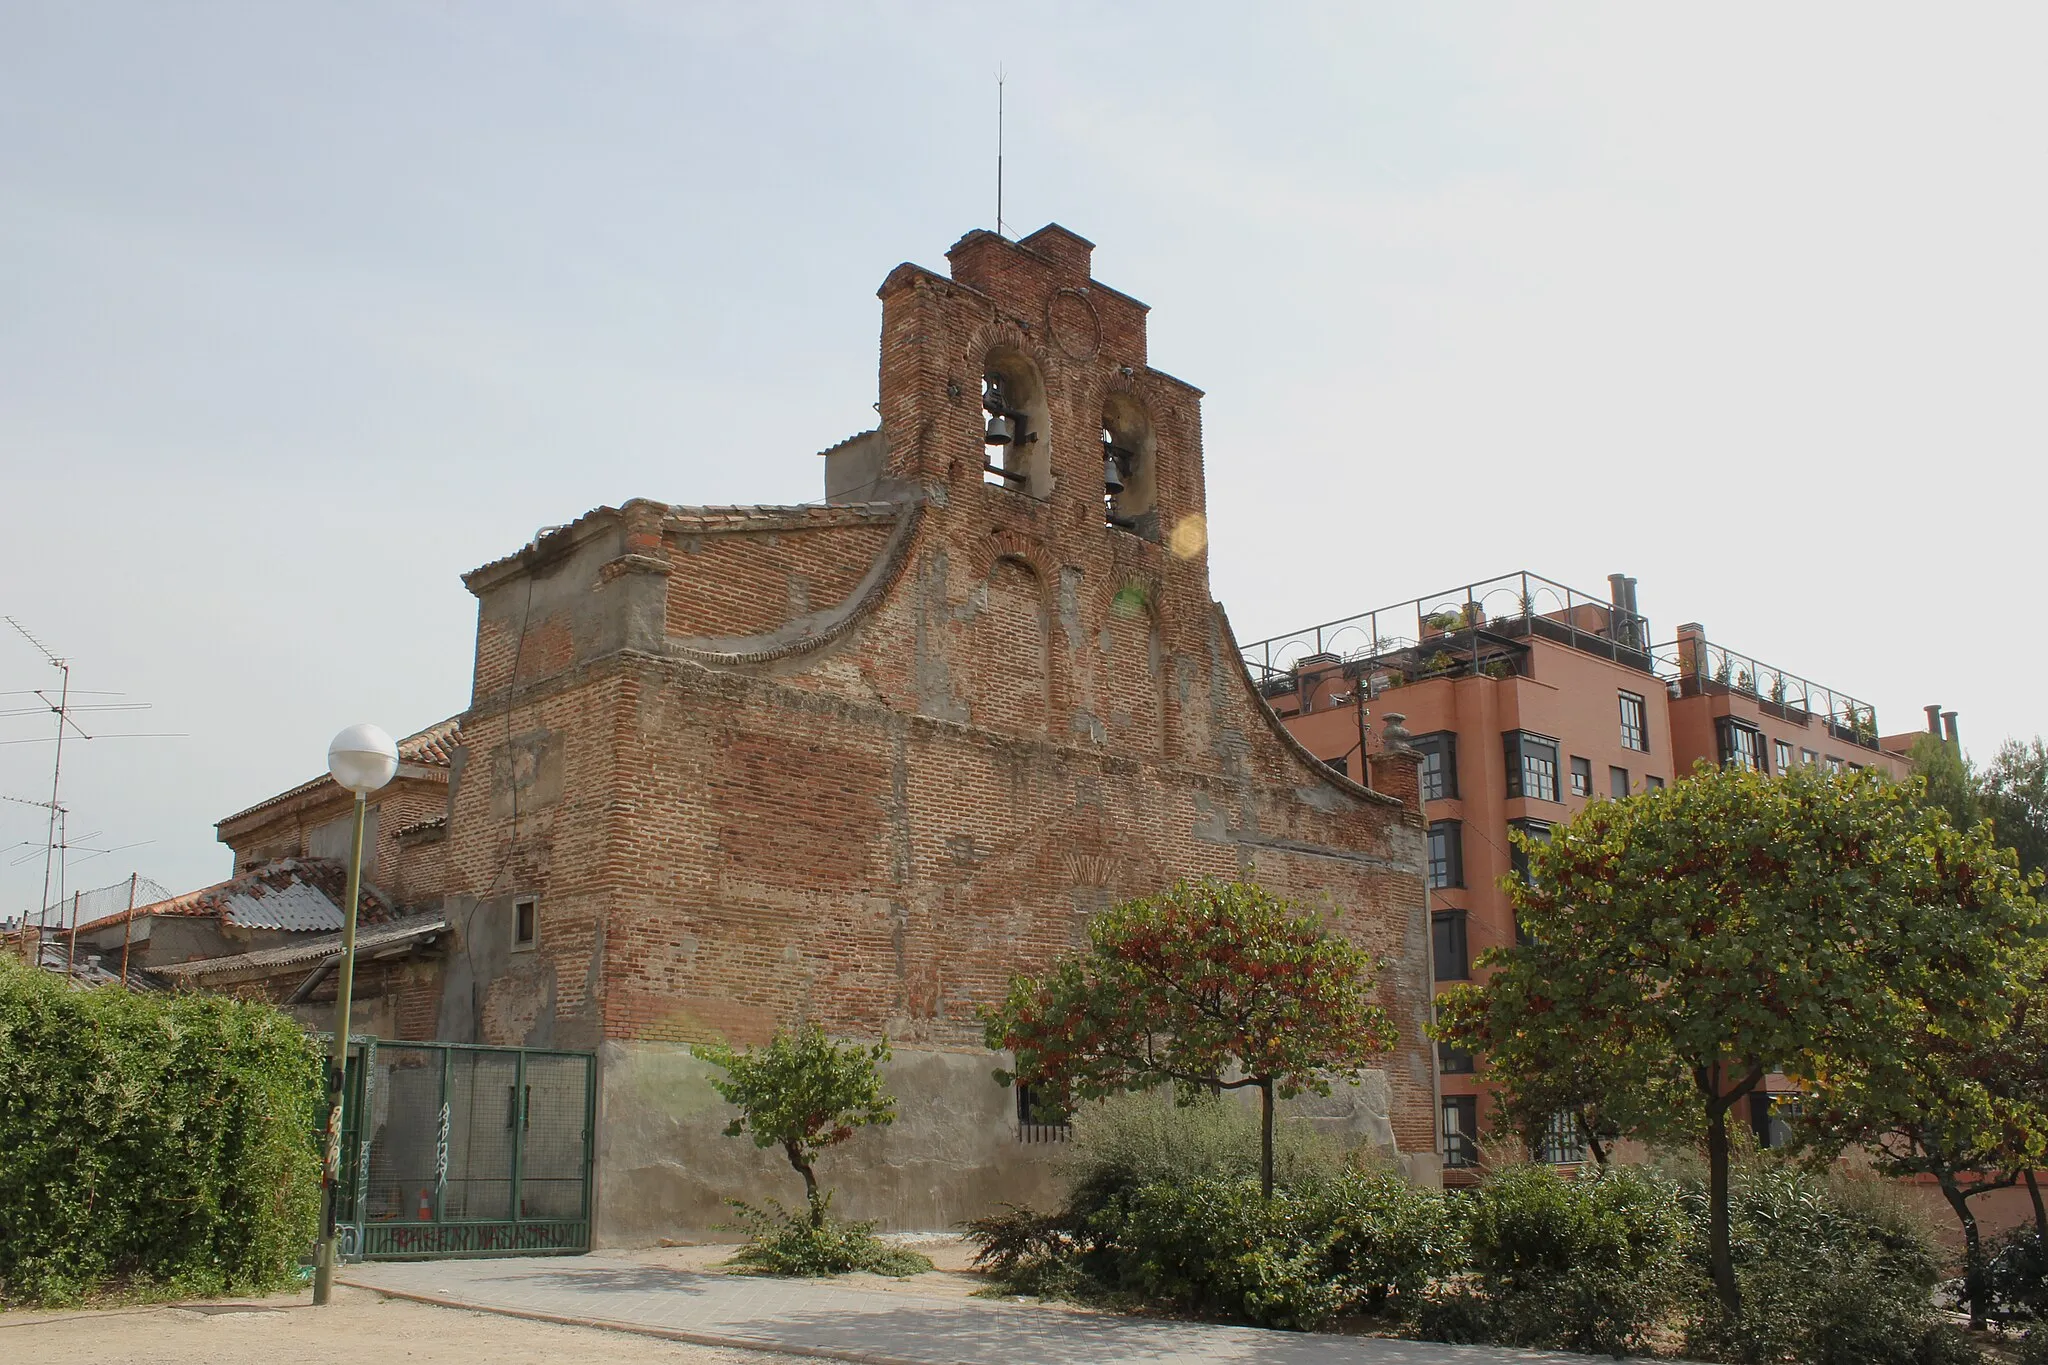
(824, 1319)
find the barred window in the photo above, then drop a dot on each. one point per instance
(1635, 733)
(1041, 1117)
(1439, 766)
(1532, 765)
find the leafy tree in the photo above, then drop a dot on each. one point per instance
(1733, 925)
(2015, 797)
(802, 1093)
(1963, 1111)
(1211, 986)
(1951, 784)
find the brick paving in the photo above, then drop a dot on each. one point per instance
(838, 1322)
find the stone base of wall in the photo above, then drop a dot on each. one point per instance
(665, 1168)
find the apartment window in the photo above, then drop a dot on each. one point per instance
(1562, 1143)
(1634, 733)
(1461, 1131)
(1782, 752)
(1532, 765)
(1439, 766)
(1518, 857)
(525, 922)
(1448, 948)
(1653, 784)
(1446, 854)
(1808, 757)
(1453, 1061)
(1582, 776)
(1834, 764)
(1338, 765)
(1741, 744)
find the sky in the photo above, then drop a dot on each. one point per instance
(308, 308)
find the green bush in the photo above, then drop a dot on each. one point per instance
(1164, 1209)
(2016, 1276)
(780, 1242)
(1833, 1271)
(151, 1141)
(2033, 1347)
(1585, 1263)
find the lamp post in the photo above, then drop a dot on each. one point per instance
(361, 759)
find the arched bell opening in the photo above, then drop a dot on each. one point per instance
(1016, 442)
(1130, 468)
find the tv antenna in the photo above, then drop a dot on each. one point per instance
(56, 842)
(999, 151)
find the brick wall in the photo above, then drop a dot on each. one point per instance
(863, 771)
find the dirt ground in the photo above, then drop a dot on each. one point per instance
(358, 1325)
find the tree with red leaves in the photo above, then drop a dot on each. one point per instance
(1209, 986)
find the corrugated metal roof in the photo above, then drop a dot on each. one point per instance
(301, 894)
(267, 960)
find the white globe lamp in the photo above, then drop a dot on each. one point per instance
(362, 759)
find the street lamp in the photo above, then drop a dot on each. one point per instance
(361, 759)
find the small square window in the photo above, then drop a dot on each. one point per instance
(526, 922)
(1808, 757)
(1653, 784)
(1617, 782)
(1582, 776)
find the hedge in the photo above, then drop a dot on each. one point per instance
(151, 1142)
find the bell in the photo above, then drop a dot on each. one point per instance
(1001, 430)
(1112, 477)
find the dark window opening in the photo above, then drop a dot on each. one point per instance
(1040, 1117)
(1518, 856)
(1635, 733)
(1461, 1131)
(1448, 949)
(1532, 765)
(1454, 1061)
(1439, 766)
(1446, 854)
(1770, 1118)
(1582, 776)
(525, 922)
(1338, 765)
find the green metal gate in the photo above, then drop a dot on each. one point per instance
(455, 1149)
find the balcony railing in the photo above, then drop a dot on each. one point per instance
(1695, 666)
(1478, 627)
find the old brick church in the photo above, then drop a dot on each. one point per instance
(724, 768)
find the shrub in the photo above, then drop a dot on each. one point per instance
(2033, 1347)
(811, 1242)
(2016, 1276)
(1214, 1246)
(1833, 1270)
(1586, 1263)
(1130, 1140)
(150, 1140)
